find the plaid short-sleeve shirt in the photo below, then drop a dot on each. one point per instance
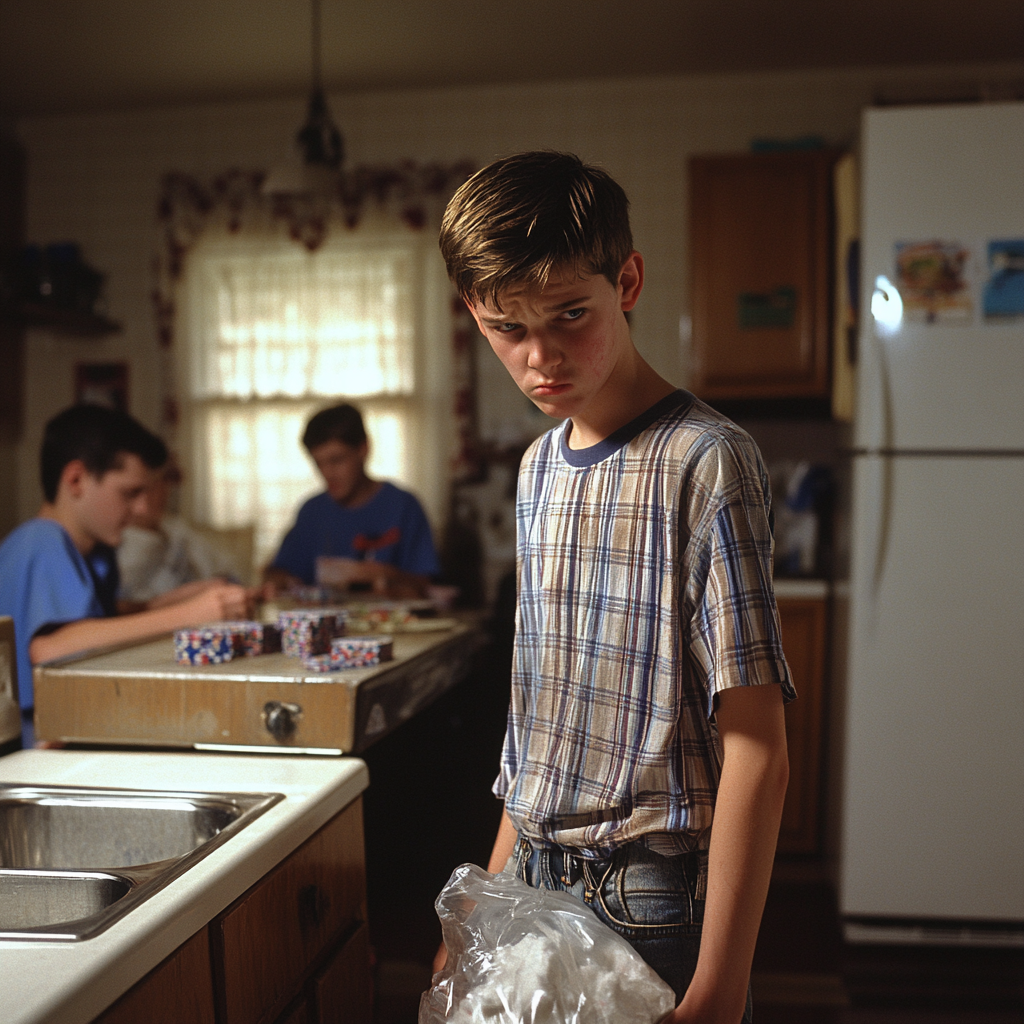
(645, 588)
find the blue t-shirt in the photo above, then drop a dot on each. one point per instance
(391, 527)
(45, 581)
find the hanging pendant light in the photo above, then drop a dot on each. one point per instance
(319, 140)
(320, 143)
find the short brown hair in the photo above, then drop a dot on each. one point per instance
(342, 423)
(522, 217)
(97, 436)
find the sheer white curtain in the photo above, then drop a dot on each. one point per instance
(273, 333)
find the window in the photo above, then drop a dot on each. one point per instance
(274, 333)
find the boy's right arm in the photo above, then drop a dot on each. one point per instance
(504, 846)
(218, 602)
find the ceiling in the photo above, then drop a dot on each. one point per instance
(78, 55)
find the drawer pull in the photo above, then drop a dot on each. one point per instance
(281, 719)
(314, 904)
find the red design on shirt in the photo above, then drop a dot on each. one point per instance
(366, 544)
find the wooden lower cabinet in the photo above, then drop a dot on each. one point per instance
(804, 631)
(178, 991)
(294, 949)
(275, 933)
(342, 991)
(297, 1013)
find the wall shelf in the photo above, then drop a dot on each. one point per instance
(62, 321)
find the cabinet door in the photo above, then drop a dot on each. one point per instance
(760, 253)
(804, 623)
(178, 991)
(342, 989)
(267, 942)
(297, 1013)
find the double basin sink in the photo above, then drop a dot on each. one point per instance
(75, 860)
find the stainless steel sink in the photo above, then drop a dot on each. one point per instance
(48, 899)
(74, 860)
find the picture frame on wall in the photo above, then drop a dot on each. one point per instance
(102, 384)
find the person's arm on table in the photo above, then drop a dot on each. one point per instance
(183, 593)
(748, 811)
(169, 597)
(213, 603)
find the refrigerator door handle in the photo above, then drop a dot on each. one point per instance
(887, 318)
(882, 535)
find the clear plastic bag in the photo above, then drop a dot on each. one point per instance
(518, 955)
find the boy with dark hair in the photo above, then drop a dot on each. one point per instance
(644, 767)
(361, 531)
(58, 571)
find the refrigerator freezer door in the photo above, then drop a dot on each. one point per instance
(951, 174)
(933, 816)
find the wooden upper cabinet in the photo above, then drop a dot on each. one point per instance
(761, 257)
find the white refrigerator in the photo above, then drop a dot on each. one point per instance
(932, 827)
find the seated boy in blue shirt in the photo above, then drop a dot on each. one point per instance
(364, 532)
(645, 766)
(58, 571)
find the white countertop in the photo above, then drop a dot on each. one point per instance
(787, 586)
(72, 982)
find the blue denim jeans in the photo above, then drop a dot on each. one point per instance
(655, 903)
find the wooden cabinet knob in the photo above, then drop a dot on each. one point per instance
(314, 904)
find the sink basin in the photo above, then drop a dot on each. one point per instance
(65, 828)
(74, 860)
(45, 899)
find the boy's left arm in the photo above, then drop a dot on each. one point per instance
(748, 811)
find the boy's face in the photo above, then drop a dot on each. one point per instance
(101, 506)
(342, 467)
(157, 495)
(562, 343)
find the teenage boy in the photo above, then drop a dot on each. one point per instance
(645, 766)
(362, 531)
(58, 571)
(159, 551)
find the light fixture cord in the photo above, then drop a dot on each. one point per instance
(315, 42)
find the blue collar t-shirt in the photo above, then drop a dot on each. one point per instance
(391, 528)
(46, 582)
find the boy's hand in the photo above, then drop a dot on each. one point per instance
(440, 958)
(218, 602)
(179, 594)
(389, 581)
(377, 574)
(276, 580)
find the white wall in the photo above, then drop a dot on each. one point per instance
(94, 179)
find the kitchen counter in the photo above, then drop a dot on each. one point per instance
(800, 587)
(72, 982)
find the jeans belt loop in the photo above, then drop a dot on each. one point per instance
(702, 876)
(570, 868)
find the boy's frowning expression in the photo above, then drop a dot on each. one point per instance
(562, 343)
